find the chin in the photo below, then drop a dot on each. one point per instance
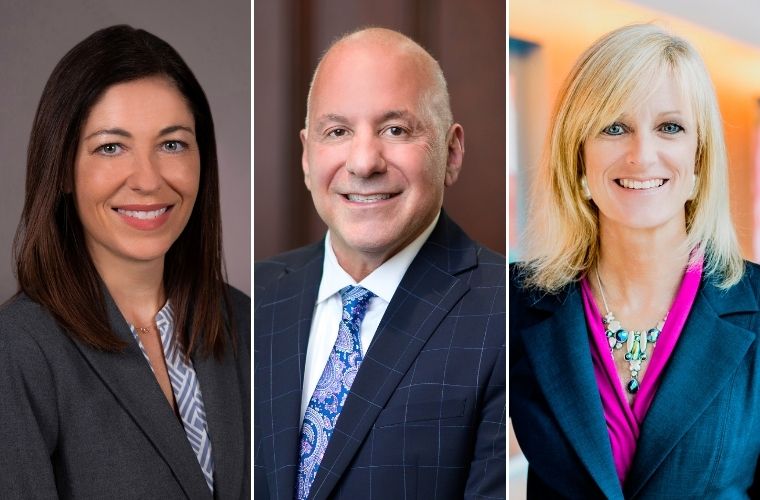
(646, 221)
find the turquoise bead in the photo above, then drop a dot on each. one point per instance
(653, 334)
(621, 335)
(633, 386)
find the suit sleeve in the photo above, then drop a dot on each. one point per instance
(488, 477)
(28, 418)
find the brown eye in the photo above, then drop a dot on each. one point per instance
(337, 132)
(396, 131)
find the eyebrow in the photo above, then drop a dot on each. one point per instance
(123, 133)
(330, 117)
(396, 114)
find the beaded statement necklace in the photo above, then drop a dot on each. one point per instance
(636, 341)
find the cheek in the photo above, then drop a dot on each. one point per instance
(183, 176)
(324, 165)
(91, 185)
(419, 163)
(685, 156)
(597, 157)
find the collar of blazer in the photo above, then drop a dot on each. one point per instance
(712, 345)
(427, 293)
(133, 385)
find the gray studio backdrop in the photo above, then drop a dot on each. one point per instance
(212, 37)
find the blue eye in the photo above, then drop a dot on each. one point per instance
(671, 128)
(174, 146)
(614, 129)
(110, 149)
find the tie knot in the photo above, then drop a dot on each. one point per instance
(355, 300)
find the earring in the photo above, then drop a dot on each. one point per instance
(585, 192)
(693, 193)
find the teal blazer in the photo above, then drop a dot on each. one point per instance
(701, 436)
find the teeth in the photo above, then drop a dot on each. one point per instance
(648, 184)
(141, 214)
(368, 199)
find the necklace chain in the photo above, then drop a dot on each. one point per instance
(636, 341)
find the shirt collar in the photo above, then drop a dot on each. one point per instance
(383, 281)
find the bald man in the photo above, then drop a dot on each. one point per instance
(379, 351)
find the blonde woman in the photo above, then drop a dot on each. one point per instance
(634, 366)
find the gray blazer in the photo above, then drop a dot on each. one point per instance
(80, 423)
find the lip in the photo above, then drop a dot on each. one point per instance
(144, 217)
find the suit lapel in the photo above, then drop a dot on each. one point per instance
(560, 355)
(293, 298)
(221, 392)
(129, 378)
(425, 296)
(707, 354)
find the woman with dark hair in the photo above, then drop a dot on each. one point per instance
(124, 358)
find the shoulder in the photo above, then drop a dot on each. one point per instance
(519, 291)
(752, 275)
(530, 305)
(240, 309)
(266, 271)
(487, 257)
(748, 286)
(490, 269)
(22, 318)
(31, 342)
(746, 289)
(239, 301)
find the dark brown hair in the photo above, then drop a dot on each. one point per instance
(53, 265)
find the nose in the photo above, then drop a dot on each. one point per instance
(145, 176)
(365, 157)
(642, 149)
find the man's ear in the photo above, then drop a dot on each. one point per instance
(304, 160)
(454, 153)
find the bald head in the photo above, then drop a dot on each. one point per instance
(394, 48)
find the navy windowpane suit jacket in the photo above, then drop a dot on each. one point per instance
(425, 417)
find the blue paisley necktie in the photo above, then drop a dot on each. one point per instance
(333, 387)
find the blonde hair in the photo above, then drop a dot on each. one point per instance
(610, 77)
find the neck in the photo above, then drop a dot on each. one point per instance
(136, 287)
(641, 270)
(359, 269)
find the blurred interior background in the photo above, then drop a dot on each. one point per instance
(546, 37)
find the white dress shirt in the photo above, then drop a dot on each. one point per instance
(328, 310)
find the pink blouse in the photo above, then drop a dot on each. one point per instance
(623, 420)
